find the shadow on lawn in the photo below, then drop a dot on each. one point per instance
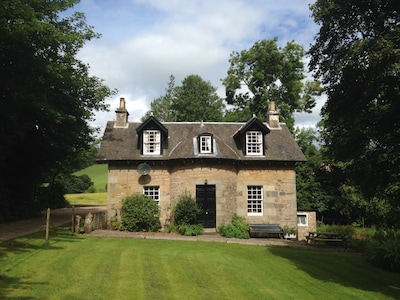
(8, 284)
(27, 246)
(36, 241)
(346, 269)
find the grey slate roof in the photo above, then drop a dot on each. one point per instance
(121, 144)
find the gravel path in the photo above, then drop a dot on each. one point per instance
(63, 216)
(58, 217)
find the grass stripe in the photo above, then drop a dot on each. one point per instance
(79, 267)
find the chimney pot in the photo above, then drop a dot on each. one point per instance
(272, 115)
(121, 114)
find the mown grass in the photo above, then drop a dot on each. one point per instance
(98, 174)
(79, 267)
(87, 199)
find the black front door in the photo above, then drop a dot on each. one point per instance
(205, 198)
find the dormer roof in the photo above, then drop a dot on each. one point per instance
(123, 144)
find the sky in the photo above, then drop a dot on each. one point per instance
(143, 42)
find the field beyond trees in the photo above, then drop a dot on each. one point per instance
(84, 267)
(98, 174)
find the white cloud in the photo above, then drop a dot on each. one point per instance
(144, 41)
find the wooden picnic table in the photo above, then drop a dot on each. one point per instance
(320, 236)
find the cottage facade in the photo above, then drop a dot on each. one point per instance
(230, 168)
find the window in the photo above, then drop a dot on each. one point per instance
(254, 143)
(206, 144)
(254, 200)
(152, 192)
(151, 142)
(302, 219)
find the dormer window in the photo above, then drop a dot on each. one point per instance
(205, 144)
(250, 138)
(151, 142)
(254, 143)
(152, 137)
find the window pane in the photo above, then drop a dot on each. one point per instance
(254, 144)
(254, 200)
(152, 192)
(302, 220)
(205, 144)
(151, 142)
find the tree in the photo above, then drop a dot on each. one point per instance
(311, 193)
(356, 56)
(266, 73)
(195, 100)
(47, 97)
(161, 107)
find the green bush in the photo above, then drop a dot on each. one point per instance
(343, 231)
(186, 210)
(116, 224)
(238, 228)
(140, 213)
(75, 184)
(384, 250)
(189, 229)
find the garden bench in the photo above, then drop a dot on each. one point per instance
(266, 230)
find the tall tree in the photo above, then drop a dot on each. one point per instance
(47, 97)
(194, 100)
(311, 193)
(161, 106)
(356, 55)
(266, 73)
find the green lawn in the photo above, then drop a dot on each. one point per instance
(98, 174)
(79, 267)
(87, 199)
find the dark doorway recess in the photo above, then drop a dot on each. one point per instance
(205, 198)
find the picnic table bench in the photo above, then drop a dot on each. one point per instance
(266, 230)
(314, 237)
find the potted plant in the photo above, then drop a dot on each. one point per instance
(289, 232)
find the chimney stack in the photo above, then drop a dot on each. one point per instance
(272, 116)
(121, 114)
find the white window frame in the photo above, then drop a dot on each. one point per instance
(151, 142)
(205, 144)
(299, 223)
(153, 192)
(254, 143)
(255, 197)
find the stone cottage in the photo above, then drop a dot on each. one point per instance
(230, 168)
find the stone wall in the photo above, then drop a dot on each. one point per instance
(311, 225)
(278, 184)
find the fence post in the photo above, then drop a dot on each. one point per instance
(73, 219)
(47, 226)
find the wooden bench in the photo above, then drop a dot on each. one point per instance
(266, 230)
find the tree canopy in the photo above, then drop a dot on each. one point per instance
(356, 55)
(194, 100)
(47, 97)
(266, 73)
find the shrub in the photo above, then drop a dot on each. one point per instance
(189, 229)
(185, 210)
(384, 250)
(116, 224)
(140, 213)
(238, 228)
(75, 184)
(343, 231)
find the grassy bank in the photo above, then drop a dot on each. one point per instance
(87, 199)
(98, 174)
(79, 267)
